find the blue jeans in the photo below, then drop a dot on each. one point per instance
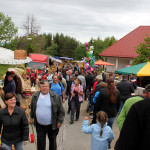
(111, 121)
(33, 82)
(121, 105)
(18, 146)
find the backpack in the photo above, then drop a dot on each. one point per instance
(58, 83)
(32, 76)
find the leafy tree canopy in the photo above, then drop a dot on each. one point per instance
(99, 46)
(7, 28)
(143, 49)
(52, 50)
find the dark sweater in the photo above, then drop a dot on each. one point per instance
(135, 132)
(10, 87)
(103, 103)
(125, 88)
(89, 81)
(15, 127)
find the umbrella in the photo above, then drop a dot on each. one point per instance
(138, 70)
(7, 57)
(100, 62)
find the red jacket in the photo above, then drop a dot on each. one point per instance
(33, 76)
(44, 77)
(94, 86)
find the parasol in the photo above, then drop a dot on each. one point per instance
(100, 62)
(7, 57)
(138, 70)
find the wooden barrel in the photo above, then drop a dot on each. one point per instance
(20, 54)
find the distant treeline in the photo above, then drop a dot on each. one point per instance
(58, 45)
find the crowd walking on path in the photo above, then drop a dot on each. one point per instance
(106, 100)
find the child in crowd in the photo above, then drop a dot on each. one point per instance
(102, 134)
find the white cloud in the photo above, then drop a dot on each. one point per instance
(81, 19)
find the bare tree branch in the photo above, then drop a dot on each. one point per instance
(31, 26)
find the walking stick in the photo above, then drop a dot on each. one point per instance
(32, 136)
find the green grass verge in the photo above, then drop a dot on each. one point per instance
(3, 69)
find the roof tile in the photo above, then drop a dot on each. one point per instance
(125, 47)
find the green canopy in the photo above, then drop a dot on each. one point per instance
(133, 69)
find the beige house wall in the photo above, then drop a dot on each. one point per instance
(119, 63)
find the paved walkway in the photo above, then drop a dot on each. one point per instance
(70, 136)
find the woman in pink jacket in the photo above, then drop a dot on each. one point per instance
(76, 99)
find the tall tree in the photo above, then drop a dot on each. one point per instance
(13, 44)
(48, 40)
(34, 45)
(143, 49)
(7, 28)
(69, 47)
(52, 50)
(31, 26)
(80, 52)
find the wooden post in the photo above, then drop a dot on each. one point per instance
(140, 81)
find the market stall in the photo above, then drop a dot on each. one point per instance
(142, 71)
(66, 59)
(138, 70)
(7, 57)
(103, 63)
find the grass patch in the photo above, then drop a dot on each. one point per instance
(4, 69)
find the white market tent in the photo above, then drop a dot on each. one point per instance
(7, 57)
(54, 59)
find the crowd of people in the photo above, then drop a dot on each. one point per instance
(106, 99)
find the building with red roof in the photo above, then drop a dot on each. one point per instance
(123, 51)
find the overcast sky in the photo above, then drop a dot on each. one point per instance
(81, 19)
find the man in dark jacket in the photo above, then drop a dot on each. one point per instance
(89, 82)
(71, 81)
(133, 81)
(125, 88)
(104, 76)
(48, 114)
(10, 86)
(136, 128)
(68, 82)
